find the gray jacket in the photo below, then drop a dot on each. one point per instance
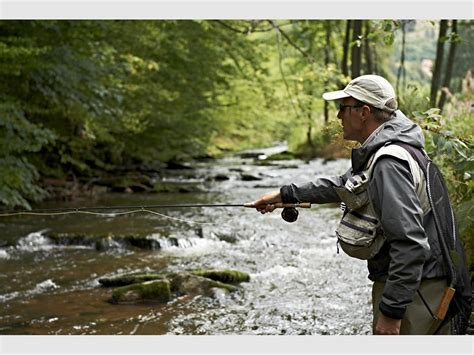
(406, 257)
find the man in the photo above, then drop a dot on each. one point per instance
(404, 257)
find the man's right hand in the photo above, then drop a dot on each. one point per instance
(387, 326)
(264, 203)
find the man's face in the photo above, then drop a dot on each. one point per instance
(350, 117)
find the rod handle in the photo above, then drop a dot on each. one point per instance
(293, 205)
(286, 205)
(444, 303)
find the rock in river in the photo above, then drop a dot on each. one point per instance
(162, 287)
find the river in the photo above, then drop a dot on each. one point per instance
(299, 284)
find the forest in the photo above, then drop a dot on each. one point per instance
(85, 100)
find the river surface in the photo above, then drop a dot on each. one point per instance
(299, 284)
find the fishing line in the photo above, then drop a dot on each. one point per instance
(289, 213)
(101, 214)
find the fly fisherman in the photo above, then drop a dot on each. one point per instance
(387, 218)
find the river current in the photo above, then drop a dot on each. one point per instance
(299, 284)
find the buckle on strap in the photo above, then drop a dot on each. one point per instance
(356, 181)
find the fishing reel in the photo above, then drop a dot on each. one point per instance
(289, 214)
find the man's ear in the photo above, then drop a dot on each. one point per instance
(366, 112)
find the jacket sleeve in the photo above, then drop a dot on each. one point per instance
(319, 191)
(392, 192)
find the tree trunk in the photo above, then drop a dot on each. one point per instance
(356, 50)
(369, 63)
(401, 68)
(345, 49)
(449, 65)
(443, 27)
(326, 63)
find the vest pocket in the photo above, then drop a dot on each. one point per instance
(358, 234)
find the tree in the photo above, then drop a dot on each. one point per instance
(356, 52)
(326, 63)
(345, 49)
(449, 65)
(435, 82)
(401, 69)
(369, 62)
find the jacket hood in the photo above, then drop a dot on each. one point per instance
(398, 129)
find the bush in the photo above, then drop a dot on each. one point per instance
(450, 143)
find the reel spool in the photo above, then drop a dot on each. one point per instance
(289, 214)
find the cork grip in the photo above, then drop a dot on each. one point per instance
(293, 205)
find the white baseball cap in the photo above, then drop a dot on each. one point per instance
(370, 89)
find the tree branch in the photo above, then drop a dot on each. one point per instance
(293, 44)
(248, 30)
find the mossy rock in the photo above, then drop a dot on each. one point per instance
(105, 242)
(226, 276)
(155, 290)
(135, 288)
(125, 280)
(282, 156)
(184, 283)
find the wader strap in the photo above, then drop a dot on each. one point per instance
(426, 305)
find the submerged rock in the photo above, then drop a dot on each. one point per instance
(176, 187)
(226, 276)
(129, 279)
(162, 287)
(246, 176)
(178, 165)
(156, 290)
(102, 242)
(193, 285)
(231, 238)
(221, 177)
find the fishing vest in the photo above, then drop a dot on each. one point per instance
(359, 232)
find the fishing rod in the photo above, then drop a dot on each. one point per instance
(289, 212)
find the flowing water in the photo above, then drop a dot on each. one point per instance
(299, 283)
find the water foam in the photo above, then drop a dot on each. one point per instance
(35, 241)
(39, 288)
(4, 254)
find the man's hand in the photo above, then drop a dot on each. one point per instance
(264, 203)
(387, 326)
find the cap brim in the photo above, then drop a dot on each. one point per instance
(335, 95)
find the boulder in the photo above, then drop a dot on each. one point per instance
(155, 290)
(162, 287)
(109, 241)
(125, 280)
(226, 276)
(246, 176)
(193, 285)
(221, 177)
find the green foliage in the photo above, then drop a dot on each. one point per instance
(327, 142)
(450, 143)
(82, 98)
(19, 137)
(415, 97)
